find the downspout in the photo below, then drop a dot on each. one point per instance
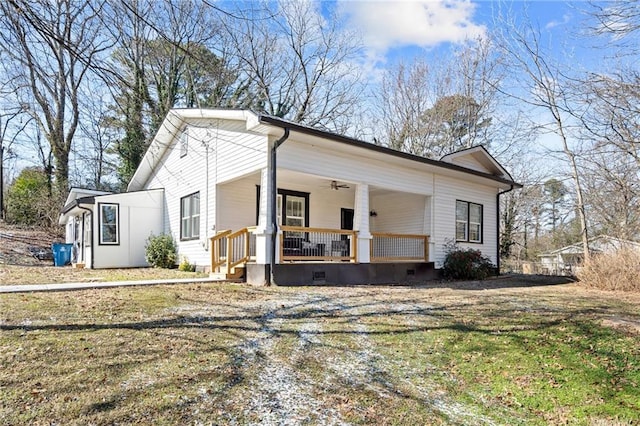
(274, 201)
(498, 225)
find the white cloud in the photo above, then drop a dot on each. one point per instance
(566, 18)
(386, 24)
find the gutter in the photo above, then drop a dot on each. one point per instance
(498, 224)
(272, 214)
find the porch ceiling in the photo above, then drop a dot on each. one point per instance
(322, 182)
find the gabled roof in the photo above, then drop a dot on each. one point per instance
(266, 124)
(78, 197)
(477, 155)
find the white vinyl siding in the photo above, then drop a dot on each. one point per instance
(346, 167)
(229, 152)
(447, 191)
(399, 212)
(140, 216)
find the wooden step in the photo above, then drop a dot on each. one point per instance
(235, 274)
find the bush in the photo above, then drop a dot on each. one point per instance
(185, 266)
(30, 202)
(469, 264)
(619, 271)
(161, 251)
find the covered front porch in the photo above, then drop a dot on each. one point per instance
(325, 231)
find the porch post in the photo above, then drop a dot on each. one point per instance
(361, 223)
(264, 229)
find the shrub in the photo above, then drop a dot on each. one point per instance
(469, 264)
(618, 271)
(30, 201)
(185, 266)
(160, 251)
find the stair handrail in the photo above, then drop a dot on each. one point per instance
(244, 232)
(216, 250)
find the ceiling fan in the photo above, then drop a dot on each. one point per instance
(335, 185)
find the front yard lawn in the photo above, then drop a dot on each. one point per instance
(30, 274)
(234, 354)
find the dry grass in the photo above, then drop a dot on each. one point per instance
(13, 274)
(619, 271)
(487, 353)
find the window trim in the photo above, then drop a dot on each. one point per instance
(468, 223)
(190, 217)
(282, 195)
(101, 241)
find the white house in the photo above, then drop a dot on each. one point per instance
(566, 260)
(279, 202)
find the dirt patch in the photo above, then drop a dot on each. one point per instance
(626, 324)
(19, 246)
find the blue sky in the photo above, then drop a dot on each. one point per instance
(393, 30)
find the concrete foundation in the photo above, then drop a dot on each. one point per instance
(336, 274)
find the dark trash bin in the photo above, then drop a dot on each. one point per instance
(61, 253)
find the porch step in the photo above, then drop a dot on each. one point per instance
(235, 274)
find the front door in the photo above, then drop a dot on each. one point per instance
(346, 219)
(346, 222)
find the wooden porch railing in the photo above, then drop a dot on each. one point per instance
(231, 249)
(320, 244)
(386, 247)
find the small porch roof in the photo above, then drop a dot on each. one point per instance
(79, 199)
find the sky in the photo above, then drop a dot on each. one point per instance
(395, 31)
(400, 30)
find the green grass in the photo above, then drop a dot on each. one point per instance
(236, 354)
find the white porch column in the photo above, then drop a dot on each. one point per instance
(361, 222)
(264, 230)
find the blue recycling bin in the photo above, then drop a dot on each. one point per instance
(61, 253)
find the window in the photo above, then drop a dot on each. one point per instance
(184, 143)
(190, 217)
(108, 224)
(468, 222)
(292, 207)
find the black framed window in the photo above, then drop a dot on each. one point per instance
(109, 215)
(292, 207)
(469, 221)
(190, 217)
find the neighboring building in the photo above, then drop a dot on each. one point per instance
(346, 211)
(566, 260)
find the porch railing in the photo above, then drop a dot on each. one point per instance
(386, 247)
(319, 244)
(230, 249)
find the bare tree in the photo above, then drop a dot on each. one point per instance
(299, 62)
(618, 19)
(52, 45)
(435, 110)
(543, 86)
